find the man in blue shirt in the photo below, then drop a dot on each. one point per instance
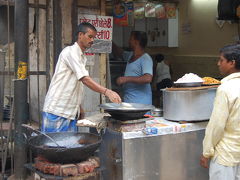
(139, 70)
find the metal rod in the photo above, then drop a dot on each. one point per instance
(1, 113)
(20, 86)
(47, 46)
(40, 6)
(74, 20)
(6, 145)
(20, 117)
(36, 2)
(29, 92)
(5, 149)
(6, 3)
(11, 73)
(12, 143)
(10, 93)
(57, 33)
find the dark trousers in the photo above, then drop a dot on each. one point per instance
(164, 84)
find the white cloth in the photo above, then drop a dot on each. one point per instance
(162, 72)
(65, 91)
(220, 172)
(222, 136)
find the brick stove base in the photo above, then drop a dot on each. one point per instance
(88, 176)
(83, 170)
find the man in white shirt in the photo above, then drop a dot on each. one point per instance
(163, 77)
(222, 137)
(62, 105)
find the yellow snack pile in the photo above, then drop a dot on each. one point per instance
(210, 80)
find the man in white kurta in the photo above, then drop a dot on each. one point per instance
(222, 137)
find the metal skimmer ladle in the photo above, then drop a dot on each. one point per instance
(39, 132)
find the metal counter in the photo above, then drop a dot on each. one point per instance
(159, 157)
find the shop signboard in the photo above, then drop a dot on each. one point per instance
(104, 26)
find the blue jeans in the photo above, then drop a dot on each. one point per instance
(54, 123)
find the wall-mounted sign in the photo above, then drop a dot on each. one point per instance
(160, 11)
(170, 10)
(123, 13)
(104, 25)
(139, 10)
(150, 9)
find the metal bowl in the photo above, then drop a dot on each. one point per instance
(126, 111)
(157, 112)
(126, 106)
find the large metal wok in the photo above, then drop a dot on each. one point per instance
(68, 147)
(126, 111)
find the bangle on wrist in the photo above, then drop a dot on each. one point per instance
(105, 91)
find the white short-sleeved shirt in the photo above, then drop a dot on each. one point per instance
(66, 90)
(162, 72)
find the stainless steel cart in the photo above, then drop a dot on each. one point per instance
(130, 156)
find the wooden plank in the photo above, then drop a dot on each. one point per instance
(2, 61)
(103, 57)
(103, 74)
(6, 126)
(66, 10)
(5, 3)
(89, 4)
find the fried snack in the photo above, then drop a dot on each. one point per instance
(210, 80)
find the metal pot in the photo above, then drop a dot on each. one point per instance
(126, 111)
(74, 147)
(157, 112)
(188, 105)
